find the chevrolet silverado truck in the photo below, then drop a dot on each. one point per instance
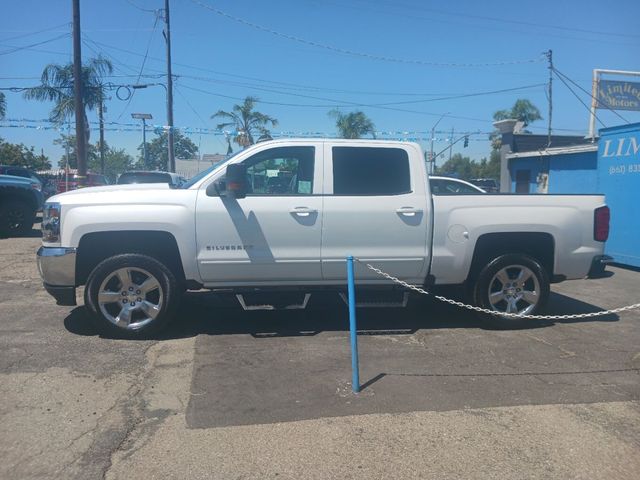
(282, 216)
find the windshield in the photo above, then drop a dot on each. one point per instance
(193, 180)
(144, 177)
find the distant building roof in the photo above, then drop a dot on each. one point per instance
(527, 142)
(192, 166)
(571, 149)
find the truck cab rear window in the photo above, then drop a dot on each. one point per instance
(370, 171)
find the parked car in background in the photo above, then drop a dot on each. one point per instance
(489, 185)
(20, 200)
(452, 186)
(173, 179)
(22, 172)
(70, 182)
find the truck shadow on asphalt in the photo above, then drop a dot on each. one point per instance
(205, 313)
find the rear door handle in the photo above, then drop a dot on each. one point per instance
(303, 211)
(408, 211)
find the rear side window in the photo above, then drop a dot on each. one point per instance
(370, 171)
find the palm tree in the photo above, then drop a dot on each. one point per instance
(246, 121)
(57, 86)
(3, 106)
(353, 124)
(522, 110)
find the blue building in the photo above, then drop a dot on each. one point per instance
(610, 166)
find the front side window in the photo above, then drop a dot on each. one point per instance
(370, 171)
(281, 171)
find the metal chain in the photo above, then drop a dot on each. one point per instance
(494, 312)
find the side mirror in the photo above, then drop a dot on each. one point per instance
(236, 180)
(214, 189)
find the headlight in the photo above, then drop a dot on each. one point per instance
(51, 222)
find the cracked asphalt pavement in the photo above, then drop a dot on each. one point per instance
(227, 394)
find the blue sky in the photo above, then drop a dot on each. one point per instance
(406, 55)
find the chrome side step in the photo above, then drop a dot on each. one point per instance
(249, 305)
(376, 302)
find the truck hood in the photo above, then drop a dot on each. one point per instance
(109, 193)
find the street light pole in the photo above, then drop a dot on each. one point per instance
(432, 161)
(144, 117)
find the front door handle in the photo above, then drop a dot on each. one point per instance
(408, 211)
(303, 211)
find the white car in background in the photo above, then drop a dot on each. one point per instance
(452, 186)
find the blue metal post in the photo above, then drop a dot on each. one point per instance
(355, 373)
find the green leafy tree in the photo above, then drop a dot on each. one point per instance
(246, 121)
(3, 106)
(465, 168)
(157, 154)
(68, 144)
(457, 165)
(20, 155)
(116, 161)
(353, 124)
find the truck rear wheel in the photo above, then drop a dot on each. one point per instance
(514, 283)
(131, 296)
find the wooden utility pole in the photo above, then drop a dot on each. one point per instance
(81, 145)
(550, 58)
(101, 120)
(167, 37)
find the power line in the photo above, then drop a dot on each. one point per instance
(36, 32)
(590, 95)
(144, 61)
(191, 106)
(353, 52)
(579, 99)
(563, 28)
(349, 104)
(337, 103)
(140, 8)
(14, 48)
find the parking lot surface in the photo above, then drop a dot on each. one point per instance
(231, 394)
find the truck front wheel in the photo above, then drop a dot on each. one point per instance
(514, 283)
(131, 295)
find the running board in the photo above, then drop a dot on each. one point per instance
(248, 305)
(401, 302)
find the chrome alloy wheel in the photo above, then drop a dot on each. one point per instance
(514, 289)
(130, 298)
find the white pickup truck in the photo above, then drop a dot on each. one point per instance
(283, 215)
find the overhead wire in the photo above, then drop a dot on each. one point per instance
(14, 48)
(36, 32)
(345, 51)
(144, 61)
(590, 95)
(578, 97)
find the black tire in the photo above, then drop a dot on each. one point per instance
(105, 299)
(512, 294)
(16, 218)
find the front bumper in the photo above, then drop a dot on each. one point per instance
(57, 267)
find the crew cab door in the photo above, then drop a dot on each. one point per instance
(375, 208)
(273, 234)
